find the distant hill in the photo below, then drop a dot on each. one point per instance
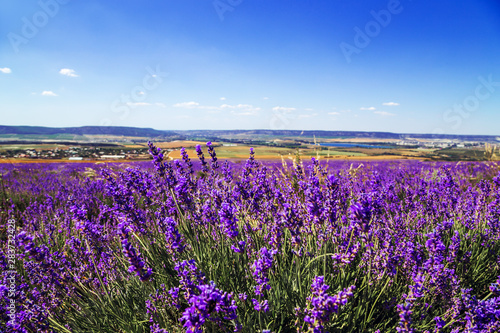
(335, 134)
(87, 130)
(151, 133)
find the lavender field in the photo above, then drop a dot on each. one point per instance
(216, 246)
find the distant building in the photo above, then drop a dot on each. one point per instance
(112, 156)
(408, 143)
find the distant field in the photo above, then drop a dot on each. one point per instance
(242, 151)
(32, 146)
(265, 151)
(179, 144)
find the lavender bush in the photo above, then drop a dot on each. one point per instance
(218, 246)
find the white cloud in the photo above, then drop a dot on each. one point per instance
(241, 109)
(265, 98)
(68, 72)
(371, 108)
(334, 113)
(6, 70)
(48, 93)
(384, 113)
(136, 104)
(240, 106)
(194, 105)
(308, 109)
(283, 109)
(301, 116)
(222, 98)
(187, 105)
(390, 104)
(238, 109)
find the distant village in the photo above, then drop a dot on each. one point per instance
(78, 153)
(440, 144)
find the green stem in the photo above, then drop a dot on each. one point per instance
(318, 257)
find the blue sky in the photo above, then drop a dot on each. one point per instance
(399, 66)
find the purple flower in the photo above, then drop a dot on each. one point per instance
(137, 265)
(199, 152)
(260, 306)
(314, 199)
(157, 158)
(439, 323)
(249, 165)
(239, 248)
(405, 317)
(322, 306)
(261, 268)
(190, 277)
(495, 287)
(213, 155)
(361, 215)
(228, 219)
(187, 160)
(210, 303)
(173, 237)
(405, 310)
